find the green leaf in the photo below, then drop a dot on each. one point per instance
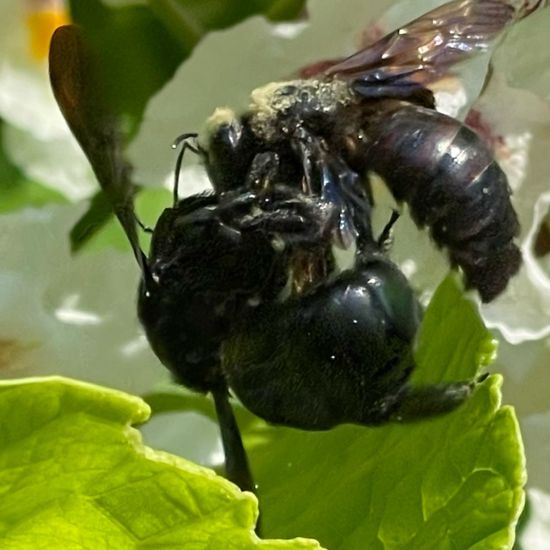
(453, 343)
(94, 220)
(454, 482)
(141, 45)
(180, 401)
(75, 475)
(98, 229)
(189, 20)
(16, 190)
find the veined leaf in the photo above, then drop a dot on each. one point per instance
(74, 474)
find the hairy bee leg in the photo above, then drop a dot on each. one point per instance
(275, 222)
(290, 220)
(232, 206)
(292, 228)
(279, 210)
(238, 203)
(295, 223)
(417, 403)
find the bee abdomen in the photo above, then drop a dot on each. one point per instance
(453, 185)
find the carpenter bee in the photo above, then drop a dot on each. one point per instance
(240, 290)
(373, 112)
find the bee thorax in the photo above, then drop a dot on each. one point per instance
(275, 107)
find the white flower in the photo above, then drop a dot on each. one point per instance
(58, 314)
(36, 136)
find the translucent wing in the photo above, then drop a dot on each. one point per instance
(425, 49)
(77, 90)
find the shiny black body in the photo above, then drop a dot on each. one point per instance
(340, 353)
(323, 133)
(203, 273)
(224, 310)
(240, 291)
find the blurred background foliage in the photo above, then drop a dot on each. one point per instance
(140, 45)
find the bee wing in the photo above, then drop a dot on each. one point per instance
(77, 90)
(425, 49)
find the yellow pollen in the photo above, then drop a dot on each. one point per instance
(41, 24)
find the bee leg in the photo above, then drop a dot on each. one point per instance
(417, 403)
(281, 211)
(293, 228)
(237, 468)
(297, 223)
(233, 205)
(239, 203)
(263, 171)
(236, 461)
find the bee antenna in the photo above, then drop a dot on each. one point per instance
(183, 138)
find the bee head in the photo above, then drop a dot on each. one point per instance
(228, 145)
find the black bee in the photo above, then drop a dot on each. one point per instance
(374, 112)
(241, 291)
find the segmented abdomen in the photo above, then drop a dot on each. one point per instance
(453, 185)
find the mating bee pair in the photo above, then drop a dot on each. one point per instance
(240, 291)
